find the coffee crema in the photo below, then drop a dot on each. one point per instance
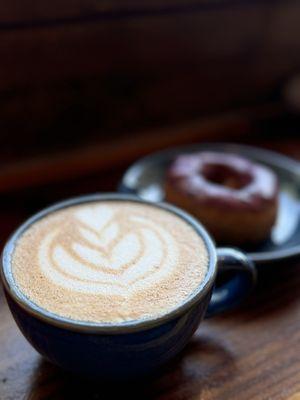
(109, 261)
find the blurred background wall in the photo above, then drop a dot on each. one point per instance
(87, 87)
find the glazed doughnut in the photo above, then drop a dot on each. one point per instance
(235, 199)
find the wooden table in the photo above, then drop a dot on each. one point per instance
(252, 353)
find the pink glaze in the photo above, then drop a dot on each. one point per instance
(197, 175)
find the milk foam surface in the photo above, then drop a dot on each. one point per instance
(109, 261)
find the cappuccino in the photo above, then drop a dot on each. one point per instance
(109, 261)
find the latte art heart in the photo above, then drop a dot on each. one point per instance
(109, 261)
(110, 252)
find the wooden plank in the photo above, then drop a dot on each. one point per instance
(188, 44)
(102, 156)
(16, 13)
(132, 73)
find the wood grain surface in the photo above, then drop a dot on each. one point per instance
(72, 64)
(100, 156)
(252, 353)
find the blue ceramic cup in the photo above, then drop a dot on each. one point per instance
(128, 349)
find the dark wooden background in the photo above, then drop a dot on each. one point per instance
(70, 69)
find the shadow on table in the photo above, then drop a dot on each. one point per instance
(187, 377)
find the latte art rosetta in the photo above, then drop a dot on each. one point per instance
(110, 252)
(109, 261)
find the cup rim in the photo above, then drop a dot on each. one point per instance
(95, 327)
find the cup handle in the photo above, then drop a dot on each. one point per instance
(238, 287)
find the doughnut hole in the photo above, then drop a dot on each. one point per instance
(224, 175)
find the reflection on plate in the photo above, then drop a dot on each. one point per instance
(146, 179)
